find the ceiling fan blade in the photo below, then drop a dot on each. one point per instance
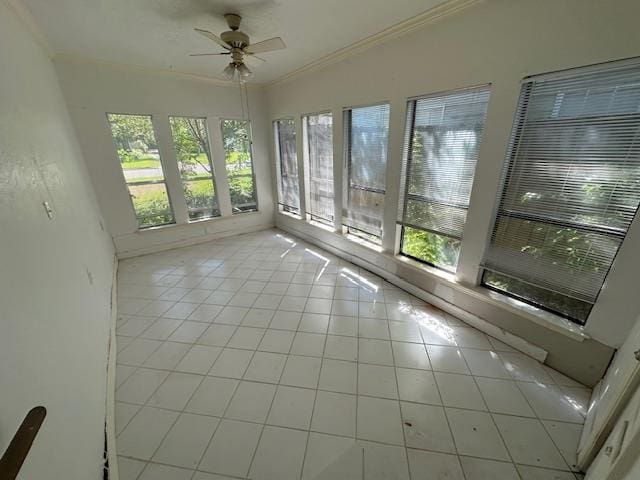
(253, 60)
(212, 36)
(206, 54)
(269, 45)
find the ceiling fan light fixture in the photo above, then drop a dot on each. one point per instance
(230, 71)
(243, 72)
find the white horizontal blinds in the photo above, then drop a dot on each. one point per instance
(320, 166)
(443, 137)
(367, 130)
(288, 188)
(572, 183)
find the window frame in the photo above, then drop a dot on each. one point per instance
(151, 182)
(310, 216)
(253, 169)
(282, 207)
(347, 113)
(211, 177)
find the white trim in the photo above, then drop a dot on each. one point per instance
(110, 414)
(190, 241)
(406, 26)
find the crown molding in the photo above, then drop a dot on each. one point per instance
(69, 58)
(20, 10)
(402, 28)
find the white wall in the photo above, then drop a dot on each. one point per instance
(497, 42)
(92, 89)
(55, 275)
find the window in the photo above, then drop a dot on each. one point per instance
(366, 133)
(319, 161)
(236, 140)
(137, 150)
(193, 151)
(288, 186)
(443, 136)
(571, 188)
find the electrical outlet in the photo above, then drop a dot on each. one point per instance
(48, 209)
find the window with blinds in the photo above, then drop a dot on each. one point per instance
(319, 166)
(443, 135)
(288, 186)
(366, 136)
(571, 188)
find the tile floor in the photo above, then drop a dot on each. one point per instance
(263, 357)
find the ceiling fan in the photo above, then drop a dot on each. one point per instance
(236, 43)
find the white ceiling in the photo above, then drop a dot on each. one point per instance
(159, 33)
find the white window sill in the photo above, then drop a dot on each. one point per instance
(202, 221)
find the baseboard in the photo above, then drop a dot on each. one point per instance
(110, 416)
(508, 338)
(192, 240)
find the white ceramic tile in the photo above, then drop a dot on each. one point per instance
(318, 305)
(437, 333)
(292, 407)
(524, 368)
(129, 468)
(251, 402)
(167, 355)
(528, 442)
(335, 413)
(405, 331)
(145, 432)
(459, 391)
(205, 313)
(375, 351)
(140, 385)
(135, 325)
(246, 337)
(426, 427)
(122, 373)
(124, 413)
(384, 461)
(417, 386)
(197, 295)
(314, 323)
(186, 441)
(373, 328)
(180, 310)
(199, 359)
(217, 335)
(345, 293)
(476, 435)
(243, 299)
(275, 288)
(447, 359)
(379, 420)
(341, 348)
(311, 344)
(338, 376)
(155, 308)
(535, 473)
(550, 402)
(329, 457)
(481, 469)
(504, 396)
(485, 363)
(322, 291)
(212, 396)
(276, 341)
(218, 297)
(279, 455)
(434, 465)
(566, 437)
(410, 355)
(175, 392)
(258, 317)
(231, 363)
(231, 448)
(161, 328)
(346, 326)
(231, 315)
(267, 300)
(154, 471)
(188, 332)
(265, 367)
(298, 290)
(301, 372)
(347, 308)
(285, 320)
(471, 338)
(137, 351)
(377, 381)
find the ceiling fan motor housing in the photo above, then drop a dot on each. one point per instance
(235, 38)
